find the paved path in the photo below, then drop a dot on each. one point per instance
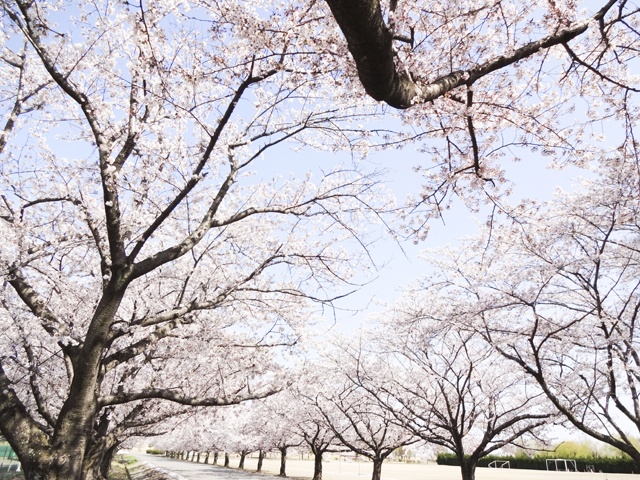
(198, 471)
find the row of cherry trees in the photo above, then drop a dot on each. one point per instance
(529, 324)
(372, 397)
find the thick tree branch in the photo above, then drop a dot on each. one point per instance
(536, 373)
(37, 305)
(140, 346)
(371, 45)
(16, 424)
(175, 396)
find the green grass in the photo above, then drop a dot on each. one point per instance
(127, 460)
(117, 472)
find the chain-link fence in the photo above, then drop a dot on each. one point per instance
(9, 464)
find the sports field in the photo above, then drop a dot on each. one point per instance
(344, 470)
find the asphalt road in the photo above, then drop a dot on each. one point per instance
(198, 471)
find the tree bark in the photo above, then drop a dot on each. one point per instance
(468, 469)
(198, 460)
(215, 457)
(260, 460)
(317, 466)
(371, 45)
(62, 455)
(377, 469)
(283, 461)
(98, 458)
(206, 458)
(243, 455)
(226, 459)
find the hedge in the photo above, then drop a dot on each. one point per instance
(153, 451)
(604, 464)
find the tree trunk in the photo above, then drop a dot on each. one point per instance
(97, 460)
(206, 458)
(36, 468)
(50, 464)
(215, 457)
(75, 423)
(283, 461)
(243, 455)
(260, 459)
(468, 469)
(226, 459)
(198, 460)
(99, 453)
(377, 468)
(317, 466)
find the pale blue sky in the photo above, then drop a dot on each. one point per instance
(532, 180)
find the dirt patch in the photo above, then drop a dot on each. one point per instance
(11, 475)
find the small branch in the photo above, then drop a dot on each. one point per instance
(578, 60)
(47, 200)
(472, 134)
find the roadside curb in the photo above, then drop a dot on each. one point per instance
(162, 471)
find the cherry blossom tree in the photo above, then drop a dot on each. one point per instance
(554, 289)
(320, 439)
(151, 253)
(278, 421)
(450, 388)
(244, 430)
(311, 425)
(353, 413)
